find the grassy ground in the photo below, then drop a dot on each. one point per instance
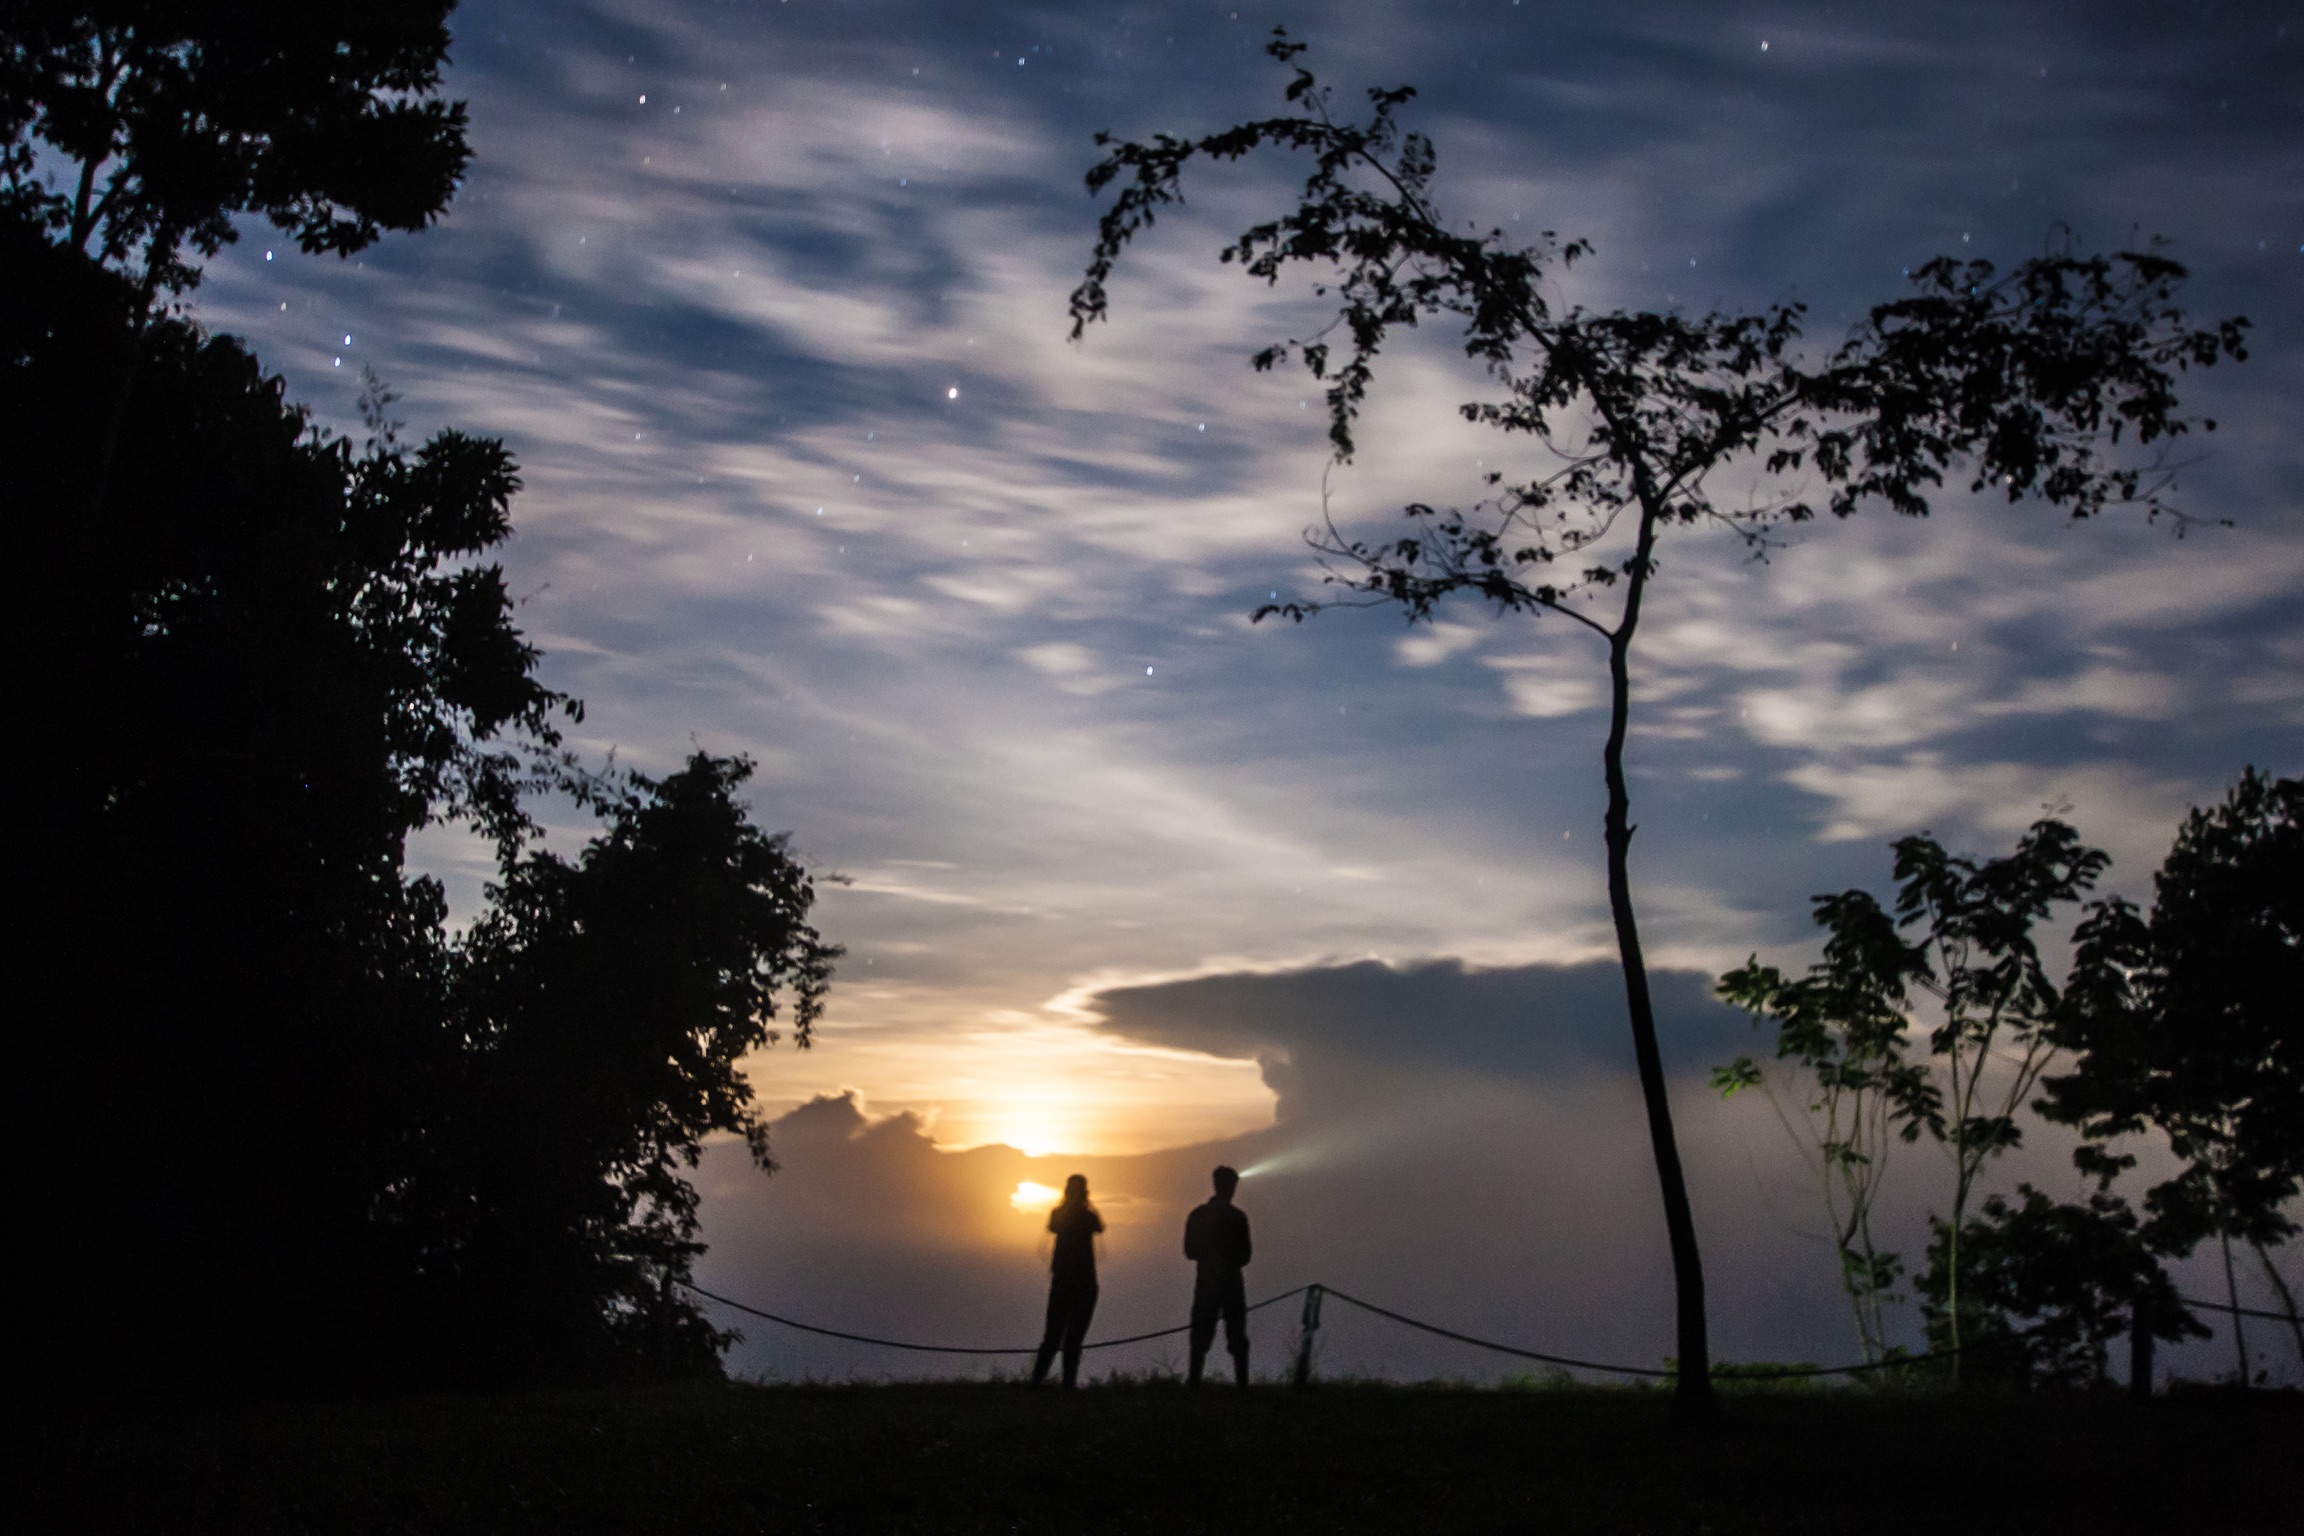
(968, 1458)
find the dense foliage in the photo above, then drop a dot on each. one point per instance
(175, 115)
(2044, 1287)
(1853, 1022)
(290, 1130)
(2189, 1021)
(602, 1008)
(1939, 1018)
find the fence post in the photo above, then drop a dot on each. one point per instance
(1310, 1327)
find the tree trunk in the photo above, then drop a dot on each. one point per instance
(1963, 1177)
(83, 219)
(1693, 1389)
(2139, 1353)
(108, 450)
(2287, 1297)
(2232, 1294)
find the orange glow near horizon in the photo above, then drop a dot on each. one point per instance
(1039, 1130)
(1035, 1199)
(1047, 1087)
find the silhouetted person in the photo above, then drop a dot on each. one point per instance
(1071, 1280)
(1216, 1239)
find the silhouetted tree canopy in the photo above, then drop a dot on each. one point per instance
(603, 1007)
(2189, 1021)
(2183, 1022)
(1953, 964)
(288, 659)
(306, 1137)
(2045, 1287)
(176, 115)
(1847, 1026)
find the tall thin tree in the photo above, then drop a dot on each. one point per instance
(2022, 381)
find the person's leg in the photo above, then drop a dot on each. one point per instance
(1236, 1329)
(1204, 1309)
(1076, 1333)
(1051, 1336)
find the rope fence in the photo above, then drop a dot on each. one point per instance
(959, 1349)
(1313, 1295)
(1502, 1349)
(2223, 1306)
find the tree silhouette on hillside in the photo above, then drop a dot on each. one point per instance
(276, 1125)
(2186, 1022)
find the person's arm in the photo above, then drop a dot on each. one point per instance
(1192, 1224)
(1246, 1247)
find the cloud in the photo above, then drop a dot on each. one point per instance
(1548, 684)
(2129, 814)
(1434, 1018)
(1071, 666)
(697, 329)
(1428, 645)
(1458, 1141)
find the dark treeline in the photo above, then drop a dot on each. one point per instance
(1934, 1016)
(274, 1123)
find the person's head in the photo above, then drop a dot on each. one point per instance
(1226, 1180)
(1076, 1189)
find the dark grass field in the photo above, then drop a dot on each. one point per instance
(969, 1458)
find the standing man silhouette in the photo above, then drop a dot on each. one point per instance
(1216, 1239)
(1071, 1280)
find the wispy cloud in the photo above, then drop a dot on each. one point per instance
(813, 474)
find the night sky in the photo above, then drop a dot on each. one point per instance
(768, 299)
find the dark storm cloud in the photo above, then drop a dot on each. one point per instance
(1339, 1033)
